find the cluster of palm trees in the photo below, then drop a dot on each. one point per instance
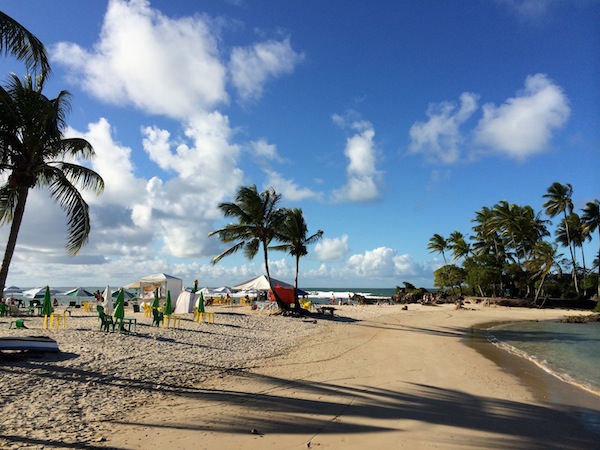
(33, 150)
(509, 253)
(259, 221)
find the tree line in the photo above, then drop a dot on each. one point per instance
(510, 254)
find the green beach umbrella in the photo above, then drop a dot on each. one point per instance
(201, 303)
(47, 303)
(156, 302)
(119, 312)
(168, 309)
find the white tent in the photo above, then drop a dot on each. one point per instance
(185, 303)
(260, 283)
(161, 281)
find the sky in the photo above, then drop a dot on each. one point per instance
(385, 122)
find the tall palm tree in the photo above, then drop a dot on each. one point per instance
(559, 202)
(259, 219)
(591, 222)
(438, 244)
(542, 260)
(16, 40)
(32, 147)
(459, 246)
(293, 236)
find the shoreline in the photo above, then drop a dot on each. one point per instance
(372, 376)
(546, 386)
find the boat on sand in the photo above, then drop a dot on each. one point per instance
(30, 343)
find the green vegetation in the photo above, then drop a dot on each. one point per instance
(510, 254)
(259, 220)
(33, 151)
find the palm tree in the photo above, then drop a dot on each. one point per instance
(294, 241)
(591, 222)
(438, 244)
(31, 150)
(540, 264)
(258, 221)
(459, 246)
(559, 201)
(16, 40)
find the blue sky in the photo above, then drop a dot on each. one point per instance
(386, 122)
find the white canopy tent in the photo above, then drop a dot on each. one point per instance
(260, 283)
(185, 303)
(161, 281)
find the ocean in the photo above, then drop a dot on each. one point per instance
(569, 351)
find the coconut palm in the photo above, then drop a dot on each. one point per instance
(293, 236)
(16, 40)
(32, 147)
(459, 246)
(591, 222)
(258, 221)
(542, 260)
(438, 244)
(559, 202)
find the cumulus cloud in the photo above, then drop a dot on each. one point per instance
(381, 262)
(528, 9)
(252, 66)
(332, 249)
(363, 178)
(288, 188)
(439, 139)
(143, 59)
(523, 125)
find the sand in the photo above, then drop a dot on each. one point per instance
(373, 377)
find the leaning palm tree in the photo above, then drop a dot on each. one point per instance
(438, 244)
(591, 222)
(258, 221)
(16, 40)
(543, 258)
(32, 147)
(459, 246)
(560, 202)
(293, 236)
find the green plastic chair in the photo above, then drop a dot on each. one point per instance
(106, 322)
(19, 323)
(157, 317)
(3, 310)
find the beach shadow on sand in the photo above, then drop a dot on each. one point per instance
(324, 408)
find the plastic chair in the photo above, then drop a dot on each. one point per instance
(106, 322)
(157, 317)
(3, 310)
(19, 323)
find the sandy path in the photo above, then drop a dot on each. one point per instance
(400, 380)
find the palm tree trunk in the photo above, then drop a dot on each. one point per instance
(296, 302)
(12, 236)
(282, 306)
(572, 254)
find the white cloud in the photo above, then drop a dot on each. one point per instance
(332, 249)
(381, 262)
(143, 59)
(363, 178)
(523, 125)
(288, 188)
(263, 149)
(439, 139)
(251, 67)
(528, 9)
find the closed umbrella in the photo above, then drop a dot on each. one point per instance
(168, 309)
(46, 306)
(156, 302)
(201, 303)
(108, 303)
(119, 312)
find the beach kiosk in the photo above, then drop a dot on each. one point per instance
(162, 282)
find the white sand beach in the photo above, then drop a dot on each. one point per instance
(373, 377)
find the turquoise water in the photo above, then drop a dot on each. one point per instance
(570, 351)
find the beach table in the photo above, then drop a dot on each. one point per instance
(126, 323)
(167, 321)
